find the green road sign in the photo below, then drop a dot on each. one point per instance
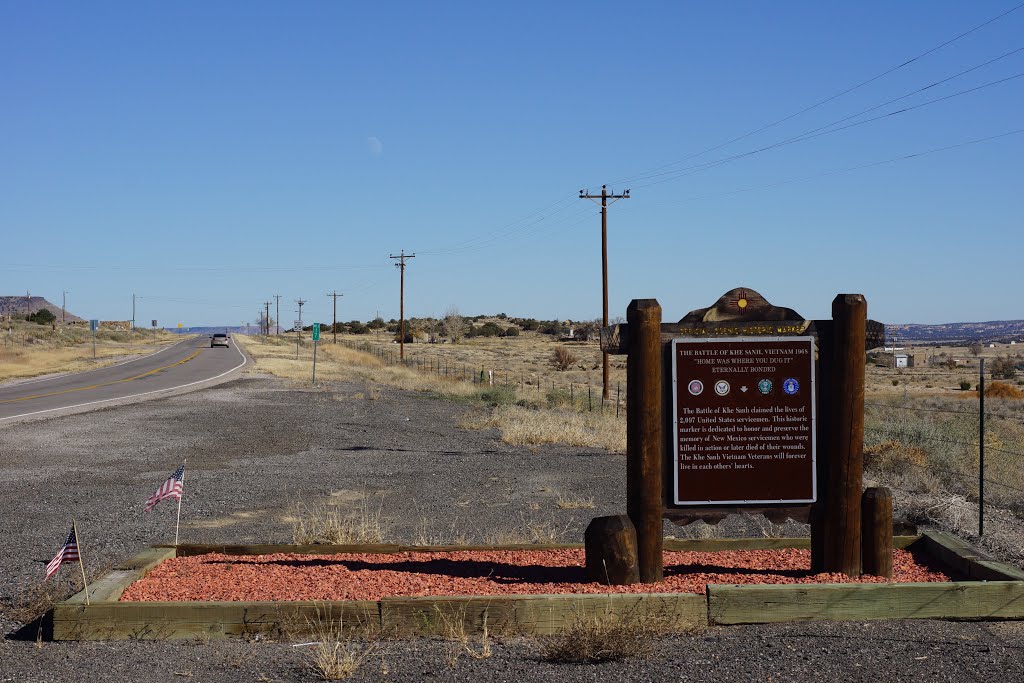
(316, 331)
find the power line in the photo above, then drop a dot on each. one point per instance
(859, 167)
(690, 170)
(827, 99)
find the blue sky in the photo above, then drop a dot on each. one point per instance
(207, 156)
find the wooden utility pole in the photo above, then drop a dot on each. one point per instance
(604, 197)
(401, 301)
(277, 325)
(644, 442)
(266, 305)
(63, 304)
(335, 295)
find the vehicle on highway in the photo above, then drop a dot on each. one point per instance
(219, 339)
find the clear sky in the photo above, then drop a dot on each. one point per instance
(207, 156)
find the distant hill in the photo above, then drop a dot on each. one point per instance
(15, 305)
(995, 331)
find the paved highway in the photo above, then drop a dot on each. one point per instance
(189, 364)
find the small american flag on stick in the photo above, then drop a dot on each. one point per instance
(171, 488)
(67, 553)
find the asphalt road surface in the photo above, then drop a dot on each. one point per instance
(190, 363)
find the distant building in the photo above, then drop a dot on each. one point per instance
(902, 360)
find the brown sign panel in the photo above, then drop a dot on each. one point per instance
(743, 420)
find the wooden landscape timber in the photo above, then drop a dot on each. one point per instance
(995, 591)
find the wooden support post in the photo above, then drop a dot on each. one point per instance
(644, 444)
(610, 548)
(877, 511)
(842, 523)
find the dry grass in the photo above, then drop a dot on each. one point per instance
(573, 502)
(605, 636)
(522, 426)
(337, 654)
(324, 524)
(525, 416)
(43, 351)
(452, 623)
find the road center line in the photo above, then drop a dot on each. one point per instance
(104, 384)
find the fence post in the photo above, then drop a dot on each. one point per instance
(981, 450)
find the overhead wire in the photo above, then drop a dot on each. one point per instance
(818, 132)
(849, 169)
(826, 100)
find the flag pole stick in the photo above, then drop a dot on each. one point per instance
(178, 522)
(81, 562)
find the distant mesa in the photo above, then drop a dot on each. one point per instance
(20, 305)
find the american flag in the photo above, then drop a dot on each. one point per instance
(67, 553)
(169, 489)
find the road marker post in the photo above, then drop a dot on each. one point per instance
(316, 338)
(93, 324)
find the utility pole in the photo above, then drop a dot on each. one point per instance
(63, 305)
(335, 328)
(604, 197)
(401, 301)
(133, 311)
(28, 304)
(298, 333)
(277, 325)
(266, 305)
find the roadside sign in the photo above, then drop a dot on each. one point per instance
(179, 326)
(94, 325)
(154, 323)
(297, 327)
(316, 331)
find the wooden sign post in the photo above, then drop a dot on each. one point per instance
(746, 407)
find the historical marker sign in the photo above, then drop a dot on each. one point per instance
(743, 420)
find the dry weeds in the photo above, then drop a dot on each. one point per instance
(324, 524)
(606, 635)
(337, 654)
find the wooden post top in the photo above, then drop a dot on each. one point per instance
(739, 312)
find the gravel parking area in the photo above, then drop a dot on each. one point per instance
(258, 446)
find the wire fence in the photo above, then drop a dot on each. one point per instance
(581, 395)
(956, 442)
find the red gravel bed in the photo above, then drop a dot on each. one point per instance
(374, 576)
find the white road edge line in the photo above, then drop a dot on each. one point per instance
(86, 372)
(145, 393)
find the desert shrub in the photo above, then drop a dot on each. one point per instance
(965, 385)
(42, 317)
(562, 359)
(1003, 390)
(895, 382)
(356, 327)
(511, 332)
(1004, 368)
(498, 395)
